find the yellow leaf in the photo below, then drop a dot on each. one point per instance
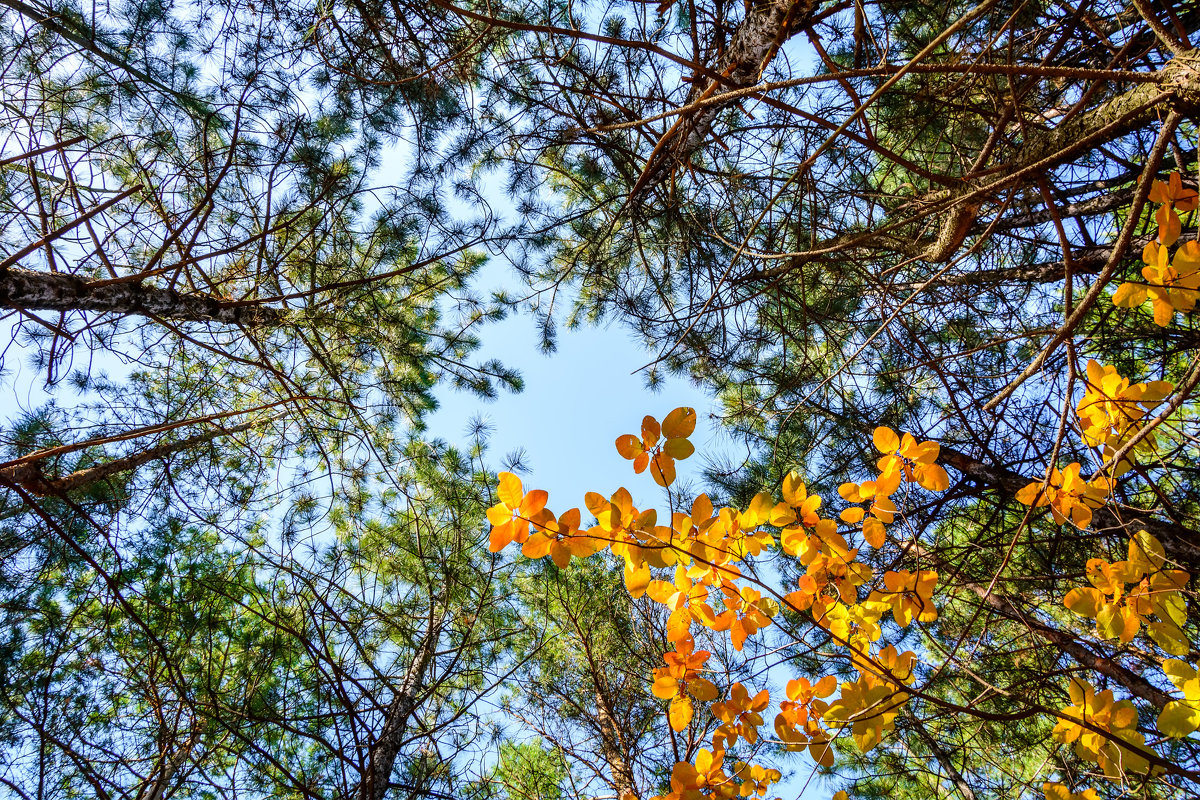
(884, 509)
(1163, 312)
(794, 490)
(499, 514)
(852, 515)
(1084, 601)
(1032, 493)
(1178, 719)
(851, 493)
(1146, 553)
(1110, 623)
(703, 690)
(679, 424)
(533, 502)
(596, 503)
(679, 625)
(782, 515)
(679, 448)
(1180, 672)
(1055, 791)
(822, 753)
(660, 591)
(874, 532)
(509, 490)
(637, 579)
(680, 712)
(537, 546)
(501, 536)
(886, 440)
(1129, 295)
(1167, 636)
(759, 511)
(933, 477)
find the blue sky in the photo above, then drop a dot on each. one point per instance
(577, 401)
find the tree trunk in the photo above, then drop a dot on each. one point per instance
(1043, 150)
(32, 290)
(612, 750)
(755, 41)
(382, 756)
(1063, 641)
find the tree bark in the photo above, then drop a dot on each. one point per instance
(755, 41)
(1182, 545)
(1178, 87)
(943, 758)
(1063, 641)
(381, 758)
(32, 290)
(610, 746)
(29, 474)
(1046, 149)
(1134, 683)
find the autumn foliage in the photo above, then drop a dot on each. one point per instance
(692, 561)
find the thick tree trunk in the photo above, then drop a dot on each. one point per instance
(47, 291)
(381, 759)
(612, 749)
(755, 41)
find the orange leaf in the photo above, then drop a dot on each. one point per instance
(650, 431)
(1168, 225)
(662, 469)
(596, 503)
(680, 423)
(502, 536)
(629, 446)
(533, 503)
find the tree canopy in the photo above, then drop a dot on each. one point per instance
(935, 262)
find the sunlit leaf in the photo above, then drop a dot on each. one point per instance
(679, 424)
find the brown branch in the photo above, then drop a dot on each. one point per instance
(23, 290)
(31, 478)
